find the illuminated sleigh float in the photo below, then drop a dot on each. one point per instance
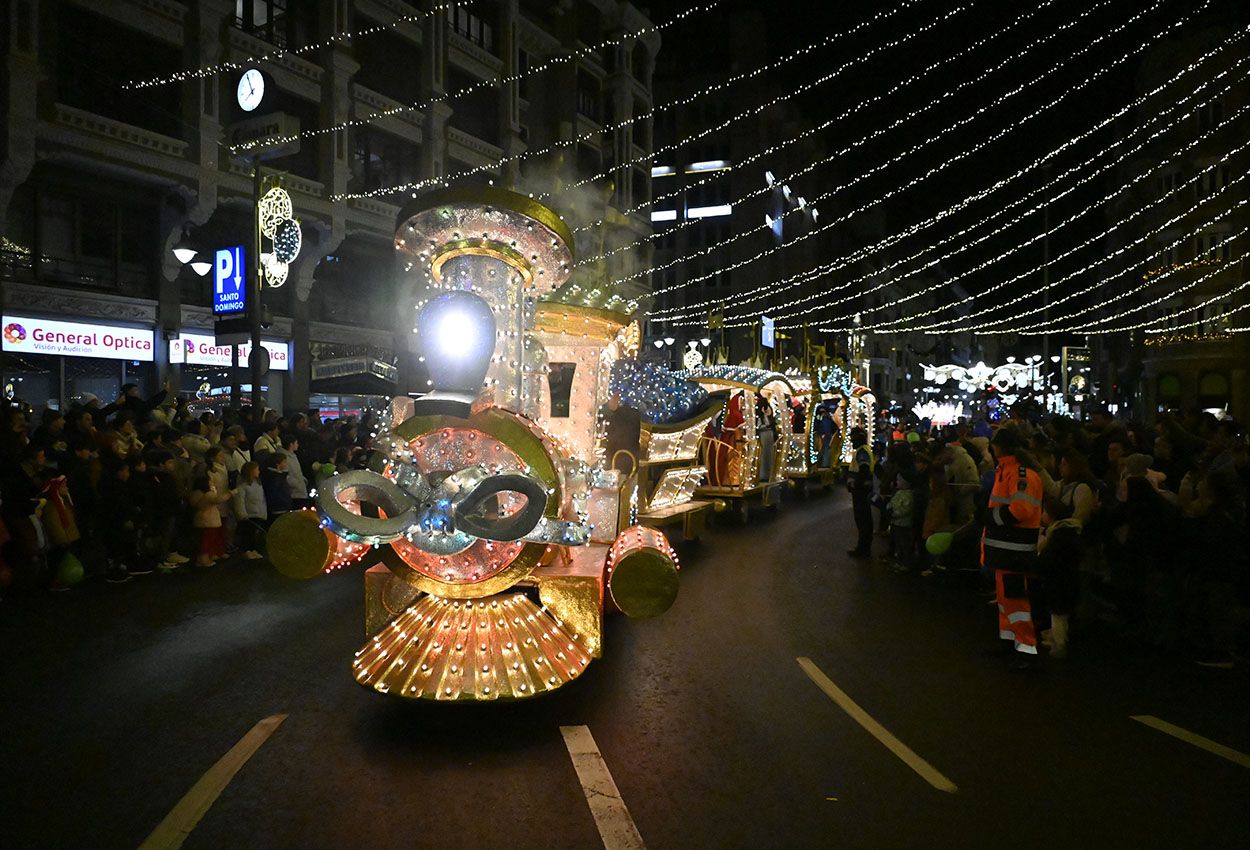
(742, 465)
(494, 575)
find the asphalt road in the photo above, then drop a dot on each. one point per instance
(115, 700)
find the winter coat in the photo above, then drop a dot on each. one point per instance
(277, 491)
(249, 501)
(205, 507)
(295, 475)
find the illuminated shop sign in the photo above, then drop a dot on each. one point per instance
(203, 350)
(76, 339)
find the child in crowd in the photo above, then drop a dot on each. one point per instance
(277, 485)
(902, 530)
(251, 510)
(205, 501)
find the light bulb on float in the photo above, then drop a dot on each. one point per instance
(457, 331)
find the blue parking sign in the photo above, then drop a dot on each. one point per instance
(229, 281)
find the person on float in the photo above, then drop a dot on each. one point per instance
(766, 433)
(1009, 545)
(859, 482)
(622, 433)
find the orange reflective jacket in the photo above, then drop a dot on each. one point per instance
(1015, 517)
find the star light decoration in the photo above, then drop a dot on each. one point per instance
(277, 223)
(659, 394)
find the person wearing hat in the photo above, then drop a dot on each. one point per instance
(1009, 544)
(859, 482)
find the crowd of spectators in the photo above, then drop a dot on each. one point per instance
(1143, 528)
(143, 486)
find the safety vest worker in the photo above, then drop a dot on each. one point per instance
(1009, 543)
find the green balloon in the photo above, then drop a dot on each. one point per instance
(913, 437)
(938, 543)
(69, 572)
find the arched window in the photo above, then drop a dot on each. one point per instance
(1169, 387)
(1213, 390)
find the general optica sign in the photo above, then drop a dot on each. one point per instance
(76, 339)
(203, 350)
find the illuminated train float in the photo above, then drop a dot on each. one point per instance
(501, 532)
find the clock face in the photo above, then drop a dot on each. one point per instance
(251, 89)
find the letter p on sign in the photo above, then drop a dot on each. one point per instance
(228, 278)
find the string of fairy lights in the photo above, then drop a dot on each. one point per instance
(494, 164)
(812, 131)
(892, 325)
(948, 129)
(1083, 169)
(984, 142)
(776, 288)
(507, 79)
(949, 281)
(1098, 325)
(269, 56)
(808, 86)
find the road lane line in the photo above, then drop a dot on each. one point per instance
(177, 825)
(616, 827)
(1196, 740)
(927, 771)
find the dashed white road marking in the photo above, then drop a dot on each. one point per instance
(177, 825)
(927, 771)
(616, 827)
(1191, 738)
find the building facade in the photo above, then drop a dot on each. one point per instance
(1190, 349)
(101, 178)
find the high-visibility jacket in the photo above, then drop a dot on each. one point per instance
(1009, 547)
(1015, 517)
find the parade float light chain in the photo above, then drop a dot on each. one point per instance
(1031, 240)
(918, 147)
(944, 324)
(447, 179)
(755, 111)
(336, 38)
(770, 291)
(808, 275)
(775, 288)
(553, 62)
(983, 143)
(758, 155)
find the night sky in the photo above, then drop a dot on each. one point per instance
(791, 24)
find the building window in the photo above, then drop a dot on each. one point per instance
(1213, 390)
(1213, 180)
(560, 382)
(588, 94)
(1212, 246)
(1169, 388)
(264, 19)
(1210, 115)
(465, 23)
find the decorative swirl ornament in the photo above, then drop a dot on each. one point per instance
(274, 208)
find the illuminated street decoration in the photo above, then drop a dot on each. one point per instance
(939, 414)
(275, 215)
(487, 481)
(1085, 169)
